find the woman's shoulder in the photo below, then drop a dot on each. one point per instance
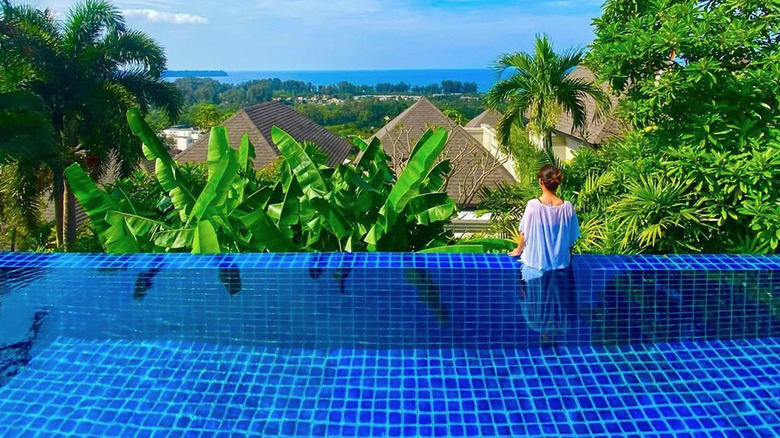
(533, 202)
(568, 206)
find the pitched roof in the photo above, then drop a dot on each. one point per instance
(471, 162)
(596, 131)
(488, 117)
(256, 121)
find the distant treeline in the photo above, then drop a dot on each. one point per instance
(365, 116)
(204, 90)
(193, 73)
(207, 102)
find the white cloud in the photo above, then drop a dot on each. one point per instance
(155, 16)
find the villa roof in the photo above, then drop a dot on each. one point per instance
(487, 117)
(257, 122)
(596, 131)
(471, 162)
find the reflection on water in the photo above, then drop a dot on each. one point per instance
(143, 282)
(548, 302)
(429, 293)
(638, 307)
(319, 265)
(231, 278)
(20, 322)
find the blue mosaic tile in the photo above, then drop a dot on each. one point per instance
(181, 387)
(387, 345)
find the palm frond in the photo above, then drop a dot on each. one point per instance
(132, 50)
(87, 20)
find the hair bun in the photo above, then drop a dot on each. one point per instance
(550, 176)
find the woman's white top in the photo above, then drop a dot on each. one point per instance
(550, 232)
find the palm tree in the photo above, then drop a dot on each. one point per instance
(88, 69)
(540, 89)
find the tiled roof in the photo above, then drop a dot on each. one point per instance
(488, 117)
(596, 131)
(466, 154)
(257, 122)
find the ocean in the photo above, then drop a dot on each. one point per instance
(485, 78)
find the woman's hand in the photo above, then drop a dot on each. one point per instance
(515, 252)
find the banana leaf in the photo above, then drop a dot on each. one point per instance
(492, 244)
(205, 239)
(246, 153)
(115, 236)
(301, 165)
(174, 239)
(431, 207)
(416, 169)
(333, 219)
(368, 153)
(152, 146)
(165, 168)
(437, 176)
(222, 165)
(265, 232)
(421, 142)
(138, 225)
(455, 249)
(426, 152)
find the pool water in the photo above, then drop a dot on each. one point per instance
(360, 346)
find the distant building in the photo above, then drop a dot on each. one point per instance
(182, 136)
(256, 121)
(474, 165)
(483, 129)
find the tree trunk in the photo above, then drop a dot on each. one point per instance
(58, 191)
(70, 217)
(58, 182)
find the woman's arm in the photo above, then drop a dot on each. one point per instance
(520, 247)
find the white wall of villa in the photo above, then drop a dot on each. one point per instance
(486, 136)
(183, 137)
(564, 147)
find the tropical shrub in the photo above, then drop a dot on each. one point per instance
(361, 206)
(701, 171)
(701, 83)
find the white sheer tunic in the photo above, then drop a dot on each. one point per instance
(550, 232)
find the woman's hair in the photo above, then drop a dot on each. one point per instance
(551, 177)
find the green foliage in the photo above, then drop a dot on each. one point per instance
(302, 206)
(701, 82)
(25, 131)
(456, 116)
(80, 73)
(209, 115)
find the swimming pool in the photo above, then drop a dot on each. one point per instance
(386, 345)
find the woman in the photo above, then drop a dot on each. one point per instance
(549, 227)
(548, 230)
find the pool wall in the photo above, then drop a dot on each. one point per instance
(384, 300)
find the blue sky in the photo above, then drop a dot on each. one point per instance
(350, 34)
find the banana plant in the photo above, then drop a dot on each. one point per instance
(359, 206)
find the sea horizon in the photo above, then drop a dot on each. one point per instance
(483, 77)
